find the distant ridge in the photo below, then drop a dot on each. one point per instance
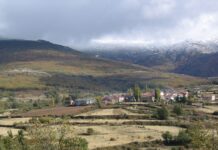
(17, 44)
(194, 58)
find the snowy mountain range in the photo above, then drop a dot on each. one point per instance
(198, 58)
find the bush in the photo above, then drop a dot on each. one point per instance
(46, 120)
(45, 137)
(76, 143)
(112, 139)
(183, 138)
(162, 113)
(90, 131)
(167, 136)
(99, 102)
(178, 148)
(41, 138)
(11, 142)
(178, 110)
(200, 136)
(215, 113)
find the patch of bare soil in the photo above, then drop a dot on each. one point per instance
(55, 111)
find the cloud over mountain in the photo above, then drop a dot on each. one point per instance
(85, 23)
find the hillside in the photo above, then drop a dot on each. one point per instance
(190, 58)
(41, 64)
(18, 50)
(165, 60)
(204, 65)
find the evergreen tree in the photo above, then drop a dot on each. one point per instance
(162, 113)
(157, 94)
(177, 110)
(137, 92)
(130, 92)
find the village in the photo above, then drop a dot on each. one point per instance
(196, 97)
(135, 119)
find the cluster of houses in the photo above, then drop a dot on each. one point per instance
(80, 102)
(208, 96)
(167, 95)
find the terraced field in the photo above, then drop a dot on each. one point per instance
(108, 121)
(122, 134)
(208, 109)
(55, 111)
(108, 112)
(4, 131)
(12, 121)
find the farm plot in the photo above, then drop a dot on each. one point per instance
(108, 121)
(208, 109)
(117, 135)
(55, 111)
(4, 131)
(12, 121)
(108, 112)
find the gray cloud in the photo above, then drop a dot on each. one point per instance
(88, 23)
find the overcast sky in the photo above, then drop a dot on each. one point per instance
(86, 23)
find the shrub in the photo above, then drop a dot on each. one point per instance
(90, 131)
(178, 148)
(112, 139)
(99, 102)
(34, 120)
(76, 143)
(46, 120)
(45, 137)
(11, 142)
(162, 113)
(177, 110)
(200, 136)
(215, 113)
(167, 136)
(40, 138)
(183, 138)
(149, 137)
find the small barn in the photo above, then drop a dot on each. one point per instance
(147, 97)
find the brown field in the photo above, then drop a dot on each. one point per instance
(55, 111)
(7, 113)
(111, 121)
(122, 134)
(108, 112)
(4, 131)
(208, 109)
(12, 121)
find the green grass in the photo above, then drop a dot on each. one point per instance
(20, 82)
